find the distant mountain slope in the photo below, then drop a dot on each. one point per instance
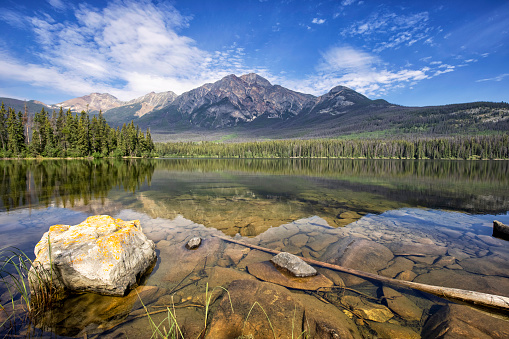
(116, 111)
(19, 105)
(92, 102)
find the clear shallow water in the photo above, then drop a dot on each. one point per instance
(435, 218)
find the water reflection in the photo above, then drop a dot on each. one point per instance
(294, 205)
(471, 186)
(30, 183)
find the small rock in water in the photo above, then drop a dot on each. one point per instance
(193, 243)
(500, 230)
(294, 264)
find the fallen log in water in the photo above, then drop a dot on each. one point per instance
(477, 298)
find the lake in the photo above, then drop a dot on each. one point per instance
(422, 221)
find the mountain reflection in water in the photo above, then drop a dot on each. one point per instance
(248, 196)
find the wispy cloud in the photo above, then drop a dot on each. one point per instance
(391, 30)
(57, 4)
(497, 78)
(12, 18)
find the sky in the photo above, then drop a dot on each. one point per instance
(413, 53)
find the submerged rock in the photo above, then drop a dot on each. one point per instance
(458, 321)
(266, 271)
(387, 330)
(293, 264)
(101, 255)
(401, 305)
(367, 310)
(360, 254)
(500, 230)
(193, 243)
(245, 309)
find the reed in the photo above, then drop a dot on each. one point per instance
(30, 288)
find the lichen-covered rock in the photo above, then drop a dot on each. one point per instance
(293, 264)
(102, 255)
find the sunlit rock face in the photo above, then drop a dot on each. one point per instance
(101, 254)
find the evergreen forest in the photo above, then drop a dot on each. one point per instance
(65, 134)
(476, 147)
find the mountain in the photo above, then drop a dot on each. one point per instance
(229, 102)
(252, 102)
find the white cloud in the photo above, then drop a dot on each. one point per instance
(318, 21)
(362, 72)
(341, 59)
(128, 49)
(358, 70)
(347, 2)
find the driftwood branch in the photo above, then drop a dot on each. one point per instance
(477, 298)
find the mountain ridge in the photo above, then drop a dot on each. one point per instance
(253, 107)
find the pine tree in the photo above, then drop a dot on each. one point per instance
(3, 128)
(148, 141)
(95, 136)
(83, 140)
(15, 141)
(59, 133)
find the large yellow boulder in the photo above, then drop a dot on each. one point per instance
(101, 254)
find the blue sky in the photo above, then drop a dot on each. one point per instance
(411, 53)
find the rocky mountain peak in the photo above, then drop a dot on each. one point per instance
(253, 78)
(339, 89)
(91, 102)
(234, 100)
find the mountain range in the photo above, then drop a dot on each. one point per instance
(250, 106)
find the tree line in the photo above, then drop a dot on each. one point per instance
(477, 147)
(65, 134)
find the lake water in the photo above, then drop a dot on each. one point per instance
(425, 221)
